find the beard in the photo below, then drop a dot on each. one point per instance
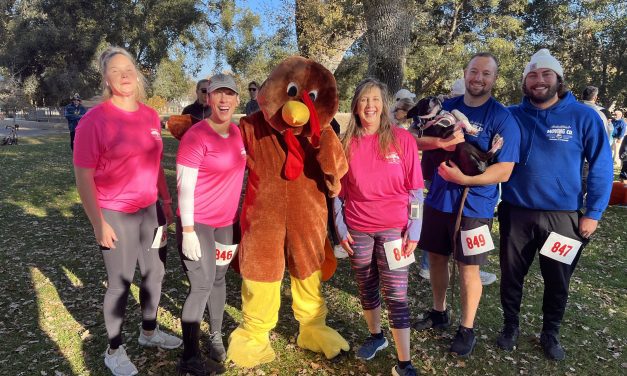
(479, 92)
(541, 98)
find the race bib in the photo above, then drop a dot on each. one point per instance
(161, 237)
(560, 248)
(476, 241)
(394, 254)
(225, 253)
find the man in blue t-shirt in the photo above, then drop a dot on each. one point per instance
(539, 211)
(619, 128)
(442, 203)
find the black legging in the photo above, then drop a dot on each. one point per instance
(207, 284)
(135, 233)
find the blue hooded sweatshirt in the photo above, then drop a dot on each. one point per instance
(553, 145)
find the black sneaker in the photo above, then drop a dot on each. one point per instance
(551, 346)
(433, 319)
(464, 342)
(217, 351)
(407, 371)
(196, 366)
(508, 338)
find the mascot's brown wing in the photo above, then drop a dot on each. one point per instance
(330, 262)
(178, 125)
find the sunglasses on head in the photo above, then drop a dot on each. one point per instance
(204, 90)
(252, 89)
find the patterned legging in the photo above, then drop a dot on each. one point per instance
(370, 266)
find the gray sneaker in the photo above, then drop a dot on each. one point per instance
(159, 339)
(217, 351)
(487, 278)
(119, 363)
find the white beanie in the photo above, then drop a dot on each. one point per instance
(403, 93)
(458, 88)
(543, 59)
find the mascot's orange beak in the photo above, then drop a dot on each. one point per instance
(295, 114)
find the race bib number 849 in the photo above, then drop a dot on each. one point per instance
(476, 241)
(560, 248)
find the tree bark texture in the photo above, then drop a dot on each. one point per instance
(388, 29)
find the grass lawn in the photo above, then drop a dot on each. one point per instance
(52, 285)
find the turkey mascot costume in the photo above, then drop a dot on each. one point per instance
(294, 159)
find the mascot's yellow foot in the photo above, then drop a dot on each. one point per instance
(321, 338)
(249, 350)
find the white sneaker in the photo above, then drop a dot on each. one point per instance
(424, 273)
(487, 278)
(119, 363)
(159, 339)
(339, 252)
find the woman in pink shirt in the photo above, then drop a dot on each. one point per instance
(210, 167)
(380, 203)
(117, 163)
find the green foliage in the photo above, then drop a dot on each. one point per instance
(171, 82)
(56, 42)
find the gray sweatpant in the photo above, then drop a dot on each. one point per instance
(135, 233)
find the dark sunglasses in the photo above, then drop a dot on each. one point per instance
(252, 89)
(204, 90)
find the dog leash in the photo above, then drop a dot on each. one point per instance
(458, 222)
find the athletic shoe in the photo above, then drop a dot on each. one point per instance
(464, 342)
(487, 278)
(196, 366)
(119, 363)
(508, 338)
(407, 371)
(551, 346)
(424, 273)
(159, 339)
(217, 351)
(369, 349)
(433, 319)
(339, 252)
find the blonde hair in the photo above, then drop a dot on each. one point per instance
(355, 130)
(105, 57)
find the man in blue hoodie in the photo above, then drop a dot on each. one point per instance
(540, 202)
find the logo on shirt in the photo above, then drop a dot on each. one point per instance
(479, 127)
(393, 158)
(155, 134)
(559, 133)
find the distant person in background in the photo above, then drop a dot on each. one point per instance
(200, 109)
(399, 112)
(73, 113)
(404, 94)
(252, 106)
(620, 127)
(589, 98)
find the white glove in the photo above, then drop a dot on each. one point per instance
(191, 246)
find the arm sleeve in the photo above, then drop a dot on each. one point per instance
(186, 178)
(598, 154)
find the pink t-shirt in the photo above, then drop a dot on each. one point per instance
(376, 189)
(220, 162)
(125, 150)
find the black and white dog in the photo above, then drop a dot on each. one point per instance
(429, 119)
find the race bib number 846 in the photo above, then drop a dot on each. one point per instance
(225, 253)
(560, 248)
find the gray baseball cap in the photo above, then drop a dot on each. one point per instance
(221, 80)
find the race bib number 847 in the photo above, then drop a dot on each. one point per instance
(560, 248)
(394, 254)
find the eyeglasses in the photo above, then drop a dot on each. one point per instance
(252, 89)
(204, 90)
